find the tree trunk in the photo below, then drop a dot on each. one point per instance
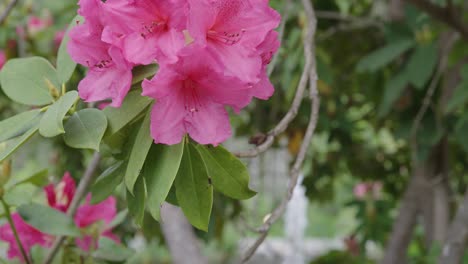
(180, 237)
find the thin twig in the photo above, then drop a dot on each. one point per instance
(315, 106)
(6, 208)
(7, 11)
(290, 115)
(443, 57)
(80, 193)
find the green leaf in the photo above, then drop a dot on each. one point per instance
(13, 144)
(48, 220)
(460, 132)
(459, 97)
(17, 125)
(140, 149)
(111, 251)
(393, 90)
(65, 65)
(140, 73)
(228, 174)
(193, 189)
(421, 64)
(38, 179)
(159, 172)
(137, 201)
(119, 218)
(85, 129)
(107, 182)
(132, 106)
(20, 194)
(383, 56)
(51, 124)
(25, 80)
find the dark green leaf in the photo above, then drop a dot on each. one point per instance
(159, 172)
(228, 174)
(461, 132)
(459, 97)
(137, 201)
(393, 90)
(18, 124)
(421, 64)
(140, 149)
(143, 72)
(107, 182)
(119, 218)
(85, 129)
(132, 106)
(193, 189)
(383, 56)
(26, 80)
(51, 124)
(48, 220)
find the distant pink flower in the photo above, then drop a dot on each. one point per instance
(28, 235)
(368, 189)
(146, 30)
(2, 59)
(109, 75)
(88, 217)
(37, 24)
(232, 29)
(191, 98)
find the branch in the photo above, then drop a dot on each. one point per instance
(80, 193)
(446, 15)
(454, 246)
(315, 106)
(7, 11)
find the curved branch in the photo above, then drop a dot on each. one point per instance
(7, 11)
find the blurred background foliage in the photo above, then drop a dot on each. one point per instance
(375, 63)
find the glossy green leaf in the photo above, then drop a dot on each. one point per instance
(421, 64)
(111, 251)
(51, 124)
(228, 174)
(7, 148)
(140, 149)
(159, 172)
(392, 91)
(461, 132)
(383, 56)
(140, 73)
(18, 124)
(65, 65)
(107, 182)
(26, 80)
(132, 106)
(137, 201)
(85, 129)
(459, 97)
(193, 189)
(48, 220)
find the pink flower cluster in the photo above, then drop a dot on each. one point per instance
(2, 59)
(212, 54)
(59, 197)
(368, 189)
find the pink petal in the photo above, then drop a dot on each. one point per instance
(167, 126)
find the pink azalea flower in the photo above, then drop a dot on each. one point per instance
(93, 220)
(368, 189)
(146, 30)
(28, 235)
(191, 98)
(109, 75)
(360, 190)
(232, 29)
(60, 196)
(37, 24)
(2, 59)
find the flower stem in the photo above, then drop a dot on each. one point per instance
(15, 233)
